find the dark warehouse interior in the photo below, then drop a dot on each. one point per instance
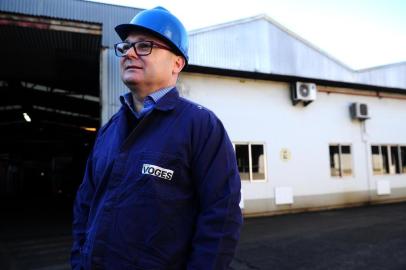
(49, 110)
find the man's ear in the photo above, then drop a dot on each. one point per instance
(179, 64)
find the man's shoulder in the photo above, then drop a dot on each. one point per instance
(195, 109)
(200, 115)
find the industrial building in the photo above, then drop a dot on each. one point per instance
(309, 132)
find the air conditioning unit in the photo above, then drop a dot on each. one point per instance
(359, 111)
(305, 92)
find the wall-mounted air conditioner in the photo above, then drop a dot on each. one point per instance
(303, 92)
(359, 111)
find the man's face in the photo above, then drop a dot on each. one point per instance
(150, 72)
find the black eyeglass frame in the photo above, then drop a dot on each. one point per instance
(151, 43)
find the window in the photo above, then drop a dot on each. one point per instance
(403, 159)
(377, 164)
(250, 161)
(388, 159)
(385, 159)
(243, 161)
(394, 156)
(340, 160)
(258, 164)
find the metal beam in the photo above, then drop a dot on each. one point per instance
(26, 97)
(45, 23)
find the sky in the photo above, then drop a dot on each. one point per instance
(358, 33)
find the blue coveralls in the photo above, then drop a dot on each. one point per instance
(159, 194)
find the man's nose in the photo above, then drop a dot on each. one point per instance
(131, 53)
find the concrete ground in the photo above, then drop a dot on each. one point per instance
(372, 237)
(34, 235)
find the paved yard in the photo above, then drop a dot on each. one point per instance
(372, 237)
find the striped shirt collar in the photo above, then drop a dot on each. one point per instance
(157, 95)
(149, 101)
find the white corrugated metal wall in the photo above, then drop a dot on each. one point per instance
(258, 111)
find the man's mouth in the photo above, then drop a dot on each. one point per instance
(131, 67)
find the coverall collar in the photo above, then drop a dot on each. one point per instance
(169, 101)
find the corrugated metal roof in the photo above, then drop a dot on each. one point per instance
(108, 15)
(256, 44)
(62, 53)
(392, 75)
(259, 44)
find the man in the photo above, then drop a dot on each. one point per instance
(161, 188)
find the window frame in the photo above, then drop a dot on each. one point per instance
(250, 165)
(388, 148)
(341, 174)
(402, 162)
(380, 172)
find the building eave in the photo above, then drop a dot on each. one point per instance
(289, 79)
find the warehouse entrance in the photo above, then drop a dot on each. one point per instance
(49, 108)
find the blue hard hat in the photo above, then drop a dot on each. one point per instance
(162, 24)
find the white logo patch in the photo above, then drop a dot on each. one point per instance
(157, 171)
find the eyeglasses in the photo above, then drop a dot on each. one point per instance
(141, 48)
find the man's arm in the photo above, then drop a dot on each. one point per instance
(80, 214)
(218, 185)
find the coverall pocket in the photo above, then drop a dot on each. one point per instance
(163, 175)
